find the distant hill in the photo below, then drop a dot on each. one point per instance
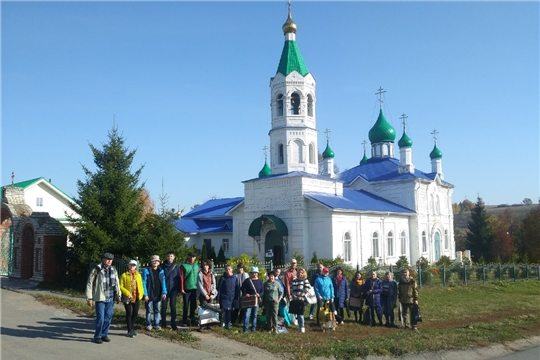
(461, 221)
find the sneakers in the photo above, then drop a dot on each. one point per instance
(149, 328)
(106, 339)
(134, 332)
(158, 328)
(341, 322)
(129, 334)
(310, 316)
(98, 341)
(302, 330)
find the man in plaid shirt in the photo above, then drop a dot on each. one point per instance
(101, 288)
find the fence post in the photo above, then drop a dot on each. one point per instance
(419, 276)
(483, 273)
(527, 271)
(444, 276)
(271, 266)
(500, 272)
(514, 272)
(465, 274)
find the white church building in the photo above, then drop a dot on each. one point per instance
(383, 208)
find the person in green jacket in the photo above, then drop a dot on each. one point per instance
(408, 297)
(188, 286)
(272, 295)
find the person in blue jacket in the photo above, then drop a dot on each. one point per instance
(226, 292)
(389, 299)
(372, 289)
(341, 292)
(155, 291)
(324, 290)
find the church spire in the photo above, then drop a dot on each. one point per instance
(436, 157)
(405, 150)
(291, 59)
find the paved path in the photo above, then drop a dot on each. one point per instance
(31, 330)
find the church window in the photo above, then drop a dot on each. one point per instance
(390, 244)
(446, 239)
(375, 245)
(225, 245)
(385, 150)
(310, 105)
(280, 105)
(295, 104)
(298, 154)
(281, 157)
(424, 242)
(347, 247)
(403, 243)
(39, 201)
(311, 154)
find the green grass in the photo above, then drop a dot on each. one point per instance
(454, 318)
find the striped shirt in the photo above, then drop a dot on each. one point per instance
(300, 287)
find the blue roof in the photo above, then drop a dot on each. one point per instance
(213, 208)
(385, 169)
(290, 175)
(359, 200)
(190, 226)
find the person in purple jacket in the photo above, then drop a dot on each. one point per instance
(226, 291)
(372, 290)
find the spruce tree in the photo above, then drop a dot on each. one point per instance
(212, 255)
(479, 233)
(204, 252)
(109, 203)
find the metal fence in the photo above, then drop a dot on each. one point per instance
(454, 275)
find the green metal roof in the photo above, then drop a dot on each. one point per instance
(265, 171)
(255, 226)
(364, 159)
(405, 141)
(291, 60)
(328, 153)
(435, 153)
(382, 131)
(27, 183)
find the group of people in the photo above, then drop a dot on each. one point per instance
(239, 294)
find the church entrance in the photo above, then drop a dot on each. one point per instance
(271, 231)
(273, 246)
(437, 246)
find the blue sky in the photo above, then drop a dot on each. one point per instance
(188, 85)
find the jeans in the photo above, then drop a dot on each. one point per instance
(132, 310)
(104, 313)
(388, 310)
(251, 316)
(153, 306)
(377, 310)
(190, 299)
(300, 321)
(312, 309)
(227, 318)
(171, 298)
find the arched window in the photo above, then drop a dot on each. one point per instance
(295, 104)
(424, 242)
(311, 154)
(347, 247)
(375, 241)
(390, 243)
(281, 157)
(403, 239)
(446, 241)
(297, 152)
(280, 105)
(310, 105)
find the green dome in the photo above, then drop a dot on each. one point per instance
(405, 141)
(382, 131)
(265, 171)
(364, 159)
(328, 153)
(435, 153)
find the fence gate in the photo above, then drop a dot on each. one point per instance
(6, 251)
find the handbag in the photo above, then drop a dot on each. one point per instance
(249, 301)
(355, 303)
(310, 296)
(125, 300)
(297, 307)
(415, 313)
